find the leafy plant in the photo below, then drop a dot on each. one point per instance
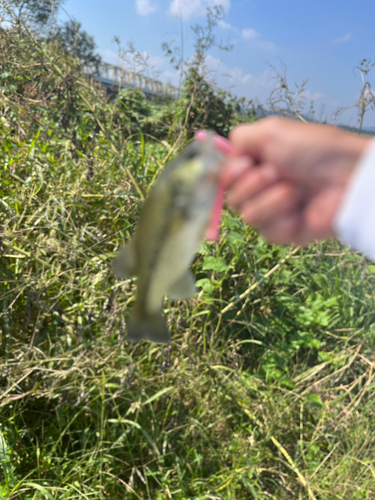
(267, 388)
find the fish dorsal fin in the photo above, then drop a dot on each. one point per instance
(183, 288)
(125, 262)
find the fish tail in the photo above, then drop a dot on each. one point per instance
(146, 326)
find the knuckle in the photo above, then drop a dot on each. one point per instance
(238, 131)
(287, 193)
(284, 191)
(273, 123)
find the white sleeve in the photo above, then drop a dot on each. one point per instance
(355, 221)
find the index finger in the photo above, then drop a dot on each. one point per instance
(249, 139)
(220, 142)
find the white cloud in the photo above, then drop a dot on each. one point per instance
(144, 7)
(240, 83)
(170, 76)
(237, 76)
(312, 96)
(254, 37)
(109, 56)
(156, 62)
(249, 34)
(195, 8)
(265, 45)
(344, 38)
(224, 25)
(264, 80)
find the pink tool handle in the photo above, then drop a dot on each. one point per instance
(212, 232)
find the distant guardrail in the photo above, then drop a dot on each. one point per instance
(113, 77)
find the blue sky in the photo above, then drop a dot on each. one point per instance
(322, 41)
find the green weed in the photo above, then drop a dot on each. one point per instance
(267, 389)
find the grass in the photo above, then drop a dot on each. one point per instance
(267, 389)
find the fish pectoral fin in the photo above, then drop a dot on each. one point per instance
(125, 262)
(183, 288)
(148, 327)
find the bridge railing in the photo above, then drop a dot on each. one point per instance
(114, 76)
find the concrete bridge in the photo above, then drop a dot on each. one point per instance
(113, 77)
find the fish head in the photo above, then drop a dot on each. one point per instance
(194, 174)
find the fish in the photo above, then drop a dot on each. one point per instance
(172, 224)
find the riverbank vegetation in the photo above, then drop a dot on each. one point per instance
(267, 390)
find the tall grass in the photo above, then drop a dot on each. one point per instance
(269, 396)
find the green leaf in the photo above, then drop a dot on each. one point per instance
(206, 284)
(158, 394)
(214, 264)
(41, 489)
(123, 421)
(325, 356)
(33, 143)
(4, 449)
(231, 222)
(205, 248)
(315, 401)
(143, 147)
(233, 237)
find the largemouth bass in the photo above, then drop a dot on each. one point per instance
(171, 226)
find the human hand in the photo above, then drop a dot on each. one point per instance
(288, 178)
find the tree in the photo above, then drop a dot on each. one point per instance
(42, 16)
(202, 104)
(77, 42)
(39, 12)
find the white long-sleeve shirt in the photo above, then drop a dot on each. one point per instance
(355, 220)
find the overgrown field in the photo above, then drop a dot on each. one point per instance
(267, 390)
